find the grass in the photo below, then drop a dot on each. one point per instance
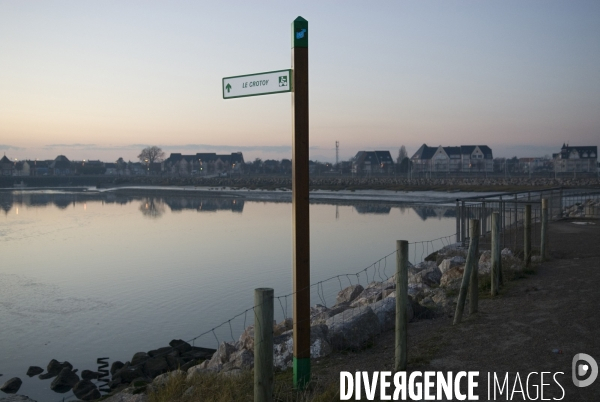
(211, 387)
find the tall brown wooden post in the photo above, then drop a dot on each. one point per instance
(300, 214)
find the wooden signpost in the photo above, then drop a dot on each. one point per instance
(295, 81)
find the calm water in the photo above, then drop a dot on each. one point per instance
(84, 276)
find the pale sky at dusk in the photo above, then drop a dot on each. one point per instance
(103, 79)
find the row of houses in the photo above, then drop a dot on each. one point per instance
(62, 166)
(176, 164)
(477, 158)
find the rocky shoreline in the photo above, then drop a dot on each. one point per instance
(358, 316)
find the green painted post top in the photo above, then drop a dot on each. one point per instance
(299, 33)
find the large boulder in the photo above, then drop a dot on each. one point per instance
(89, 375)
(34, 370)
(86, 390)
(385, 310)
(452, 278)
(241, 359)
(319, 314)
(198, 353)
(246, 340)
(283, 326)
(283, 350)
(64, 381)
(368, 296)
(139, 358)
(485, 263)
(451, 262)
(16, 398)
(155, 366)
(127, 374)
(349, 294)
(352, 328)
(116, 366)
(180, 345)
(162, 351)
(11, 386)
(221, 356)
(54, 368)
(426, 272)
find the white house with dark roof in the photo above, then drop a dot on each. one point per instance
(576, 159)
(464, 158)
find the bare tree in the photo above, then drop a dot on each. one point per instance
(151, 154)
(401, 154)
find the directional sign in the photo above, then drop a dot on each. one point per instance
(272, 82)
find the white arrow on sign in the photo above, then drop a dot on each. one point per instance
(272, 82)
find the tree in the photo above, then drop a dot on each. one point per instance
(151, 154)
(401, 154)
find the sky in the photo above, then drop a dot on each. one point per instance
(104, 79)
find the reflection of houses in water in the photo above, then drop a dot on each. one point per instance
(373, 209)
(430, 211)
(204, 204)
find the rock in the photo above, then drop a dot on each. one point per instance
(86, 390)
(155, 366)
(246, 340)
(54, 368)
(198, 353)
(130, 373)
(319, 345)
(125, 397)
(34, 370)
(241, 359)
(16, 398)
(451, 262)
(319, 314)
(180, 345)
(352, 328)
(506, 252)
(197, 370)
(367, 296)
(283, 351)
(452, 278)
(89, 375)
(222, 355)
(161, 380)
(116, 366)
(64, 381)
(485, 262)
(283, 326)
(189, 392)
(349, 294)
(11, 386)
(385, 310)
(162, 351)
(426, 272)
(139, 358)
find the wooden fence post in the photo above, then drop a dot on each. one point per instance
(471, 260)
(474, 285)
(544, 237)
(527, 236)
(263, 345)
(401, 352)
(496, 257)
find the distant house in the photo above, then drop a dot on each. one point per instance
(22, 168)
(372, 162)
(7, 167)
(111, 169)
(61, 166)
(39, 168)
(576, 159)
(464, 158)
(203, 163)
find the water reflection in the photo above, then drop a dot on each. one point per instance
(150, 206)
(154, 207)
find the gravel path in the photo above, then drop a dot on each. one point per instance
(556, 308)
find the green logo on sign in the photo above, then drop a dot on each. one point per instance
(283, 81)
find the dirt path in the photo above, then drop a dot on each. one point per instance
(556, 308)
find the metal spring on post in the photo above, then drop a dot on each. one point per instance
(103, 374)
